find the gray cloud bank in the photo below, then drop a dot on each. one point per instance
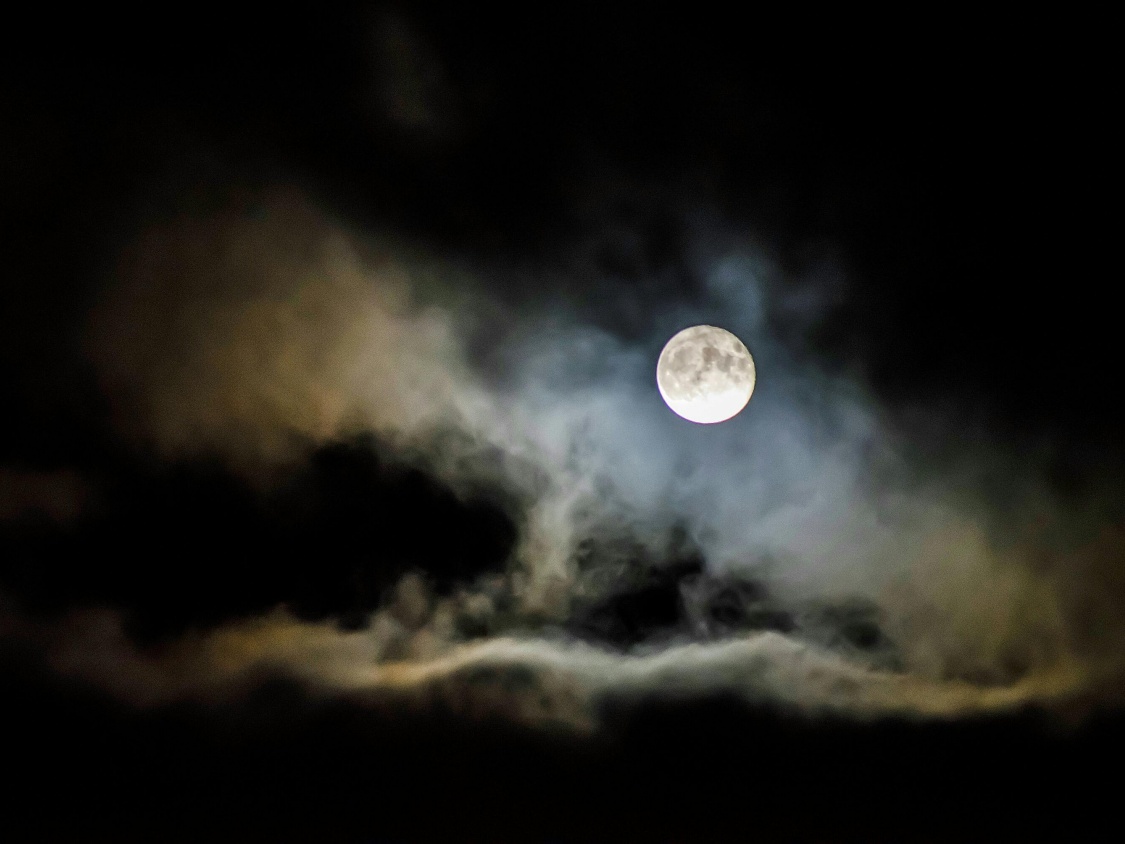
(261, 335)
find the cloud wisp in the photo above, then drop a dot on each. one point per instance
(259, 336)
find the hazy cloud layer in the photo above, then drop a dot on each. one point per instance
(259, 335)
(55, 496)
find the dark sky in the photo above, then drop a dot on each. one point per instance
(923, 206)
(950, 170)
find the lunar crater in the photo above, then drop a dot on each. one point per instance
(705, 374)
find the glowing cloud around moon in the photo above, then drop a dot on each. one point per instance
(705, 374)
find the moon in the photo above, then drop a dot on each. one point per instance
(705, 374)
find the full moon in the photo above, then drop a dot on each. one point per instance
(705, 374)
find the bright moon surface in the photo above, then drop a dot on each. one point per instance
(705, 374)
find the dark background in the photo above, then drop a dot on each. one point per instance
(954, 168)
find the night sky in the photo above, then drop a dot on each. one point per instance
(338, 501)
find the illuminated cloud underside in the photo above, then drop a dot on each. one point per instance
(569, 678)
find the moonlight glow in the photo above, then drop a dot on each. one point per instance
(705, 374)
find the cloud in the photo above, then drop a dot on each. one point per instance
(254, 334)
(260, 334)
(58, 496)
(531, 680)
(411, 86)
